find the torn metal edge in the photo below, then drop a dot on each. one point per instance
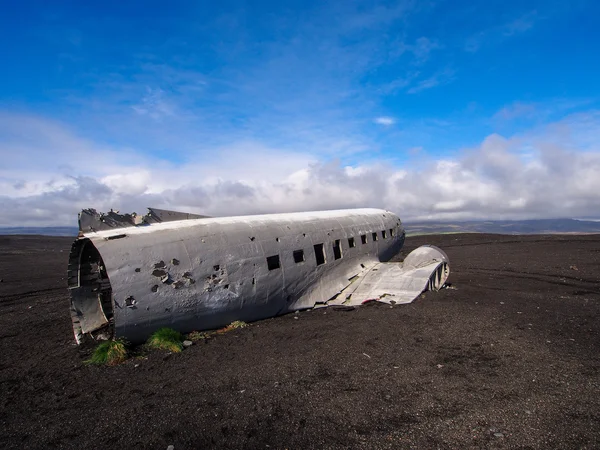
(92, 220)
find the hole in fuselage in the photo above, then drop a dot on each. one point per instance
(91, 292)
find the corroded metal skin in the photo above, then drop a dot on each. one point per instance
(199, 274)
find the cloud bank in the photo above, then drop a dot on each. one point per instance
(549, 172)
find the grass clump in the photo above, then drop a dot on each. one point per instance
(198, 335)
(233, 326)
(109, 353)
(166, 339)
(236, 324)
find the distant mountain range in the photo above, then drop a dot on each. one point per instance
(45, 231)
(540, 226)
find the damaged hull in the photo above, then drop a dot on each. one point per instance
(128, 279)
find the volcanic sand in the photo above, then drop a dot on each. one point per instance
(508, 357)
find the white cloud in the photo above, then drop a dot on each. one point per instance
(501, 32)
(385, 120)
(398, 84)
(514, 111)
(537, 174)
(421, 49)
(154, 104)
(541, 111)
(437, 79)
(520, 24)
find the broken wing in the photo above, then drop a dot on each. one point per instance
(425, 268)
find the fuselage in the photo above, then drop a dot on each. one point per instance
(205, 273)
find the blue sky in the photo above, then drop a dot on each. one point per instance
(434, 109)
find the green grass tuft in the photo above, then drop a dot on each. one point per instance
(232, 326)
(199, 335)
(166, 339)
(109, 353)
(237, 324)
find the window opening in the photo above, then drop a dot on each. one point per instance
(337, 249)
(374, 236)
(392, 233)
(351, 242)
(298, 256)
(384, 234)
(363, 238)
(319, 254)
(273, 262)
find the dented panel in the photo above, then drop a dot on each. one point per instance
(204, 273)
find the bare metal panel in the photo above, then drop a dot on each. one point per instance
(90, 220)
(156, 215)
(424, 268)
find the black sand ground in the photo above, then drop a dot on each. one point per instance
(508, 359)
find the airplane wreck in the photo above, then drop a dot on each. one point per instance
(129, 275)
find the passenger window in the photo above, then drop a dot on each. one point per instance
(273, 262)
(363, 238)
(392, 233)
(319, 254)
(383, 234)
(351, 242)
(298, 256)
(374, 235)
(337, 249)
